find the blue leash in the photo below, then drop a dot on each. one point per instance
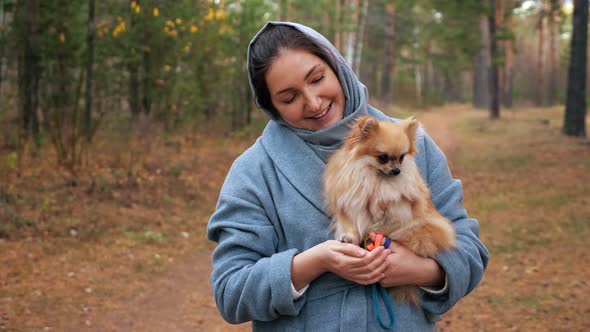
(388, 304)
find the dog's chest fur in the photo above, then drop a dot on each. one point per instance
(376, 202)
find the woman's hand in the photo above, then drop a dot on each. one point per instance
(347, 260)
(355, 263)
(404, 267)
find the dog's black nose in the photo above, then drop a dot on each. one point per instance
(395, 171)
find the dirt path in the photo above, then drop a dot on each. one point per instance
(182, 300)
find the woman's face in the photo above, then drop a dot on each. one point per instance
(305, 90)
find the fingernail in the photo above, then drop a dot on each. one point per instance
(361, 252)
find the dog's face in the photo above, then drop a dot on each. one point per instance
(383, 145)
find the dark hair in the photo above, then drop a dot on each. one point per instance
(267, 47)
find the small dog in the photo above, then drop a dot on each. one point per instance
(372, 183)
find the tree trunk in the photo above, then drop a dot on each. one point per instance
(494, 106)
(574, 123)
(29, 69)
(87, 119)
(133, 68)
(388, 55)
(362, 21)
(2, 48)
(508, 66)
(146, 100)
(552, 27)
(480, 70)
(351, 41)
(338, 25)
(540, 46)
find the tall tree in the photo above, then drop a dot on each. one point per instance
(338, 24)
(480, 69)
(574, 123)
(360, 34)
(87, 118)
(352, 31)
(388, 53)
(552, 27)
(133, 65)
(540, 27)
(494, 106)
(29, 68)
(508, 61)
(3, 8)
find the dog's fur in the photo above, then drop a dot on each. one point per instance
(372, 183)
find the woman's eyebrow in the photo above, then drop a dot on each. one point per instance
(305, 78)
(310, 71)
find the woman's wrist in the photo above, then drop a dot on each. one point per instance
(306, 267)
(432, 274)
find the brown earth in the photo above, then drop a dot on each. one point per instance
(536, 279)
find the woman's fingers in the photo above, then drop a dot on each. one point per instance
(349, 249)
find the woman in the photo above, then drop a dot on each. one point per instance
(275, 263)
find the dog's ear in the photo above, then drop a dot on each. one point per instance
(411, 128)
(366, 125)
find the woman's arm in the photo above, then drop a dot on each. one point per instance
(465, 264)
(250, 279)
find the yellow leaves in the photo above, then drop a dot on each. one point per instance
(156, 12)
(226, 28)
(178, 21)
(102, 29)
(210, 15)
(120, 28)
(167, 68)
(218, 15)
(135, 6)
(62, 37)
(194, 29)
(170, 24)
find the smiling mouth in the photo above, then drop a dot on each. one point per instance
(321, 115)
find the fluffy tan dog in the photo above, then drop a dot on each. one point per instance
(372, 183)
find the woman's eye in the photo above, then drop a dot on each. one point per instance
(290, 100)
(318, 79)
(401, 158)
(383, 158)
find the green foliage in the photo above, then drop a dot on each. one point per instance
(184, 61)
(11, 160)
(146, 237)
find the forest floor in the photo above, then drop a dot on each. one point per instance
(123, 248)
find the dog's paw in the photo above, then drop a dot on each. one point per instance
(346, 239)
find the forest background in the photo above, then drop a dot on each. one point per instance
(119, 120)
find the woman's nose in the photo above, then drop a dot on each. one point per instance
(313, 102)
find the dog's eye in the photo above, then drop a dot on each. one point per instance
(383, 158)
(401, 158)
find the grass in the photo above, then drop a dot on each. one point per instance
(528, 186)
